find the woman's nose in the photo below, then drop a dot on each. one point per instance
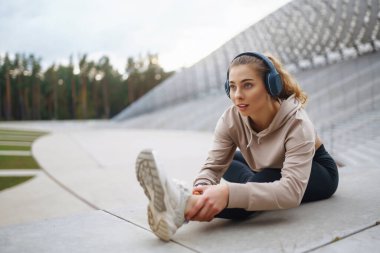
(238, 93)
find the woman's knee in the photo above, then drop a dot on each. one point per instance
(334, 179)
(334, 184)
(238, 156)
(238, 172)
(320, 190)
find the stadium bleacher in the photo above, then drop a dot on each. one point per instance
(332, 48)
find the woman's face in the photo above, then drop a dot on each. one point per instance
(247, 90)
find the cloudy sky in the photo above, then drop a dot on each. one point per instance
(181, 32)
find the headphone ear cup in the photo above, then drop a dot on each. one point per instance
(227, 88)
(274, 84)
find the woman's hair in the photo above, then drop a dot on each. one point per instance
(290, 86)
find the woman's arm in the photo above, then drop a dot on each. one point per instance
(210, 197)
(288, 191)
(219, 156)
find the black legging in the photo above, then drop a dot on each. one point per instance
(322, 184)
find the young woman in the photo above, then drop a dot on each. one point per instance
(280, 163)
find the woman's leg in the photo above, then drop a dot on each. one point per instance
(322, 184)
(324, 177)
(239, 172)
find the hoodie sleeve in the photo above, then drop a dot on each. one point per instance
(219, 156)
(289, 190)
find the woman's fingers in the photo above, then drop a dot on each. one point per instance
(195, 209)
(207, 213)
(212, 200)
(198, 190)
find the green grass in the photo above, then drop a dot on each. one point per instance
(18, 162)
(7, 182)
(14, 138)
(12, 148)
(21, 132)
(19, 136)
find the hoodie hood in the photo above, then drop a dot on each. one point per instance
(288, 108)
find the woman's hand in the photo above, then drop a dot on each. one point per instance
(213, 199)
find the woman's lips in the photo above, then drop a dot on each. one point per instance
(242, 107)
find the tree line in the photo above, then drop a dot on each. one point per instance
(87, 90)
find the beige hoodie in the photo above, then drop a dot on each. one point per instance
(287, 144)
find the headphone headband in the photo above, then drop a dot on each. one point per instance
(272, 79)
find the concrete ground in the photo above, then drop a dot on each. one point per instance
(87, 199)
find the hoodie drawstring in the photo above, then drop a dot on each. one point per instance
(250, 139)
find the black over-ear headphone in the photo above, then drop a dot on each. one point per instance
(272, 79)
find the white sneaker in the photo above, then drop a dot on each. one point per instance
(167, 201)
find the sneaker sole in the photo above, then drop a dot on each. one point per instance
(160, 228)
(149, 179)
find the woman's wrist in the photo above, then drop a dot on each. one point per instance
(200, 183)
(227, 194)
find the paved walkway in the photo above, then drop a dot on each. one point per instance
(16, 143)
(19, 172)
(15, 153)
(89, 177)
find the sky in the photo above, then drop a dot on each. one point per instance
(180, 32)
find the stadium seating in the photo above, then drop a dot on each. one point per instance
(332, 48)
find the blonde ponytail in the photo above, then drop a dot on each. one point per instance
(289, 83)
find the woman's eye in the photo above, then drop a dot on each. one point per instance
(232, 87)
(247, 85)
